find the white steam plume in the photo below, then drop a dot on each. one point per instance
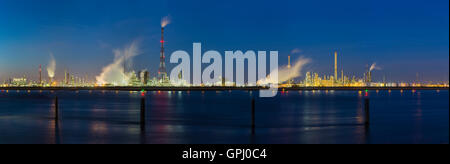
(114, 73)
(285, 73)
(374, 67)
(165, 21)
(51, 66)
(296, 51)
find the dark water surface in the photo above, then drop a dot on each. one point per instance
(224, 117)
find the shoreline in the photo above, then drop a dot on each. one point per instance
(219, 88)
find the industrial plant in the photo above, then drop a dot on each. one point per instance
(142, 78)
(125, 76)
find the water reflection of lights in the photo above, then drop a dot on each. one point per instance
(99, 128)
(419, 112)
(359, 112)
(53, 130)
(170, 129)
(180, 94)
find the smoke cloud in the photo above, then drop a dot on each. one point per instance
(285, 73)
(114, 73)
(374, 67)
(165, 21)
(51, 66)
(296, 51)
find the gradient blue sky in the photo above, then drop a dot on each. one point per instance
(403, 37)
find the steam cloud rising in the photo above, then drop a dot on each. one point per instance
(51, 66)
(374, 67)
(114, 73)
(296, 51)
(285, 73)
(165, 21)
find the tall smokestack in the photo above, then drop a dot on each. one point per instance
(162, 65)
(289, 61)
(40, 74)
(289, 67)
(335, 66)
(162, 74)
(65, 76)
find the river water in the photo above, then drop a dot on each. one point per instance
(306, 117)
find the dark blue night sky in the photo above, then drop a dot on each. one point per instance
(403, 37)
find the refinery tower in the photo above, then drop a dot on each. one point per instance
(335, 67)
(162, 74)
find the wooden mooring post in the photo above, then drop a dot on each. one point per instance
(56, 109)
(367, 112)
(142, 120)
